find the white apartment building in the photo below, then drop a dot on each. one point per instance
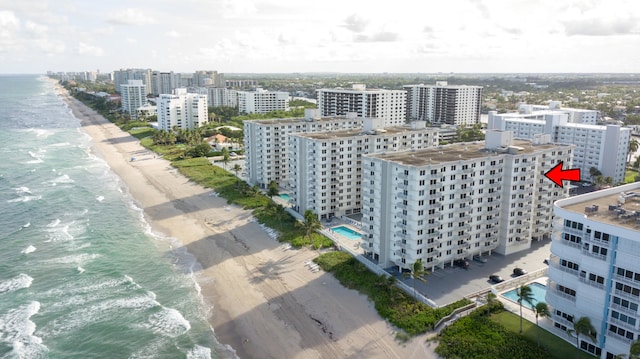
(445, 104)
(134, 95)
(182, 109)
(262, 101)
(455, 201)
(602, 147)
(389, 105)
(266, 143)
(593, 268)
(122, 77)
(325, 168)
(576, 115)
(220, 96)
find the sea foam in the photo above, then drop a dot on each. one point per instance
(169, 322)
(20, 281)
(16, 330)
(28, 250)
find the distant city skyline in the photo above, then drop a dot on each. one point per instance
(284, 36)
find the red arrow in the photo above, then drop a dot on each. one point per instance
(557, 174)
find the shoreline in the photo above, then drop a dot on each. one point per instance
(265, 303)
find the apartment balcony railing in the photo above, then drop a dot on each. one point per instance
(602, 257)
(626, 295)
(591, 283)
(560, 294)
(624, 279)
(558, 266)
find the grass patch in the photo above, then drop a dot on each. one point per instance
(630, 176)
(141, 132)
(391, 303)
(483, 336)
(559, 347)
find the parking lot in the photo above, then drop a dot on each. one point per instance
(453, 283)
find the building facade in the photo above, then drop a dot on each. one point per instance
(389, 105)
(122, 77)
(266, 143)
(262, 101)
(602, 147)
(593, 268)
(444, 104)
(455, 201)
(182, 109)
(220, 96)
(325, 168)
(134, 95)
(162, 82)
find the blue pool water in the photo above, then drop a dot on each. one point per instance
(285, 196)
(538, 290)
(347, 232)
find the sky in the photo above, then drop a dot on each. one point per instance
(287, 36)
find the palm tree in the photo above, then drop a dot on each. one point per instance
(491, 298)
(633, 147)
(634, 351)
(542, 310)
(272, 189)
(582, 326)
(236, 168)
(416, 271)
(225, 157)
(311, 223)
(524, 294)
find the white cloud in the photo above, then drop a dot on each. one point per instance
(9, 25)
(601, 27)
(355, 23)
(130, 16)
(35, 30)
(131, 40)
(50, 47)
(172, 34)
(90, 50)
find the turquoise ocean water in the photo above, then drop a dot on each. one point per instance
(81, 273)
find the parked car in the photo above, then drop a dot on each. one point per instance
(479, 259)
(462, 263)
(494, 278)
(519, 271)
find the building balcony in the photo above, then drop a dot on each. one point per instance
(560, 294)
(592, 283)
(599, 256)
(626, 280)
(556, 265)
(624, 310)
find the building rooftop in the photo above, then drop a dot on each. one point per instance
(360, 132)
(619, 206)
(276, 121)
(458, 152)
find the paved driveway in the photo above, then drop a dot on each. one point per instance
(453, 283)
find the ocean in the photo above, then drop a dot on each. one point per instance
(82, 275)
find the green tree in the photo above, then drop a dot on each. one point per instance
(236, 168)
(199, 150)
(542, 310)
(225, 157)
(584, 327)
(311, 223)
(272, 189)
(416, 271)
(633, 147)
(491, 299)
(524, 294)
(594, 172)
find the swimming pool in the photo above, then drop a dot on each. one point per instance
(285, 196)
(538, 290)
(347, 232)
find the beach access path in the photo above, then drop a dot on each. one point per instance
(266, 302)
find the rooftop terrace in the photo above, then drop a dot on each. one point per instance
(618, 208)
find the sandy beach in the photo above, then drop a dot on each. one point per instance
(265, 301)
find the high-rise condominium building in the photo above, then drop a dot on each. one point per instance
(602, 147)
(325, 168)
(388, 105)
(262, 101)
(208, 78)
(182, 109)
(444, 104)
(593, 268)
(163, 82)
(454, 201)
(220, 96)
(266, 143)
(122, 76)
(134, 95)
